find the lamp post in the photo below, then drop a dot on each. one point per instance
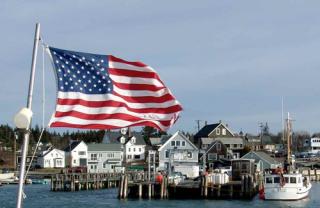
(23, 118)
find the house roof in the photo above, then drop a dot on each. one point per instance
(139, 138)
(71, 146)
(230, 140)
(114, 137)
(206, 130)
(104, 147)
(181, 135)
(49, 151)
(205, 140)
(263, 156)
(111, 137)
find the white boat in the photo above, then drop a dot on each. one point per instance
(291, 186)
(4, 176)
(286, 186)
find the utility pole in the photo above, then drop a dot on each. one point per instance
(198, 124)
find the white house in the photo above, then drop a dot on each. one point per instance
(315, 145)
(103, 158)
(179, 154)
(76, 154)
(52, 158)
(134, 148)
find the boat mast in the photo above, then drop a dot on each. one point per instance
(289, 137)
(26, 130)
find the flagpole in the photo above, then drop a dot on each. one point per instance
(29, 105)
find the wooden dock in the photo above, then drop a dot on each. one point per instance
(202, 189)
(312, 174)
(137, 185)
(84, 181)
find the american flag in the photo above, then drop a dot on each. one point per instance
(106, 92)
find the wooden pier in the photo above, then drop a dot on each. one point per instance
(84, 181)
(312, 174)
(189, 189)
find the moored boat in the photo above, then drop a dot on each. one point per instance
(291, 186)
(288, 185)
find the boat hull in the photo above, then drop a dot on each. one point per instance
(4, 176)
(288, 194)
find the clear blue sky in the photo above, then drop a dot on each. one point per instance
(223, 60)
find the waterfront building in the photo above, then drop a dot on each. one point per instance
(219, 131)
(103, 158)
(51, 158)
(212, 131)
(216, 155)
(313, 145)
(134, 148)
(76, 154)
(262, 160)
(179, 154)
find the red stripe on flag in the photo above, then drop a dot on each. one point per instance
(120, 116)
(137, 87)
(101, 126)
(109, 103)
(146, 99)
(132, 73)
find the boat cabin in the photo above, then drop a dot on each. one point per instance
(286, 179)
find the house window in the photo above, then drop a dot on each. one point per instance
(129, 156)
(93, 156)
(74, 161)
(166, 154)
(212, 156)
(183, 143)
(136, 156)
(224, 132)
(177, 143)
(134, 149)
(218, 131)
(189, 154)
(234, 145)
(110, 155)
(139, 149)
(129, 149)
(173, 143)
(240, 145)
(81, 153)
(218, 146)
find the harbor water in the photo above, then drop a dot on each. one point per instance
(41, 196)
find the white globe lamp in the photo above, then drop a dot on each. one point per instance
(23, 118)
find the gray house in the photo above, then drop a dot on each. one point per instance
(104, 158)
(262, 160)
(179, 154)
(212, 131)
